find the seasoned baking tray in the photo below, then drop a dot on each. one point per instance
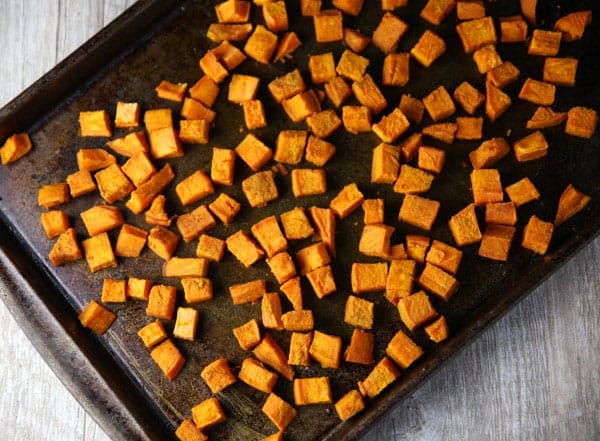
(113, 376)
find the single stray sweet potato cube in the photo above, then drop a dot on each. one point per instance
(581, 122)
(464, 226)
(544, 43)
(205, 90)
(346, 201)
(138, 288)
(299, 347)
(385, 163)
(388, 32)
(187, 430)
(96, 317)
(504, 213)
(142, 197)
(438, 330)
(323, 123)
(349, 405)
(537, 235)
(560, 71)
(352, 66)
(469, 128)
(165, 143)
(162, 241)
(131, 241)
(438, 281)
(196, 289)
(288, 43)
(228, 31)
(153, 333)
(298, 320)
(80, 183)
(359, 312)
(360, 349)
(98, 252)
(428, 48)
(403, 350)
(244, 248)
(368, 277)
(155, 119)
(486, 186)
(445, 132)
(522, 192)
(435, 11)
(444, 256)
(321, 67)
(396, 70)
(217, 375)
(66, 248)
(247, 335)
(328, 25)
(95, 123)
(171, 91)
(308, 182)
(254, 374)
(51, 195)
(356, 40)
(161, 301)
(127, 115)
(571, 202)
(168, 358)
(248, 292)
(186, 323)
(373, 211)
(356, 119)
(211, 248)
(195, 222)
(383, 374)
(503, 74)
(326, 349)
(496, 241)
(531, 147)
(113, 183)
(296, 225)
(418, 211)
(208, 414)
(271, 311)
(513, 29)
(337, 91)
(489, 152)
(260, 188)
(254, 114)
(225, 208)
(54, 223)
(497, 102)
(486, 58)
(413, 108)
(185, 267)
(416, 247)
(400, 279)
(222, 167)
(279, 411)
(114, 291)
(319, 151)
(416, 310)
(275, 15)
(312, 390)
(545, 117)
(194, 131)
(431, 159)
(538, 92)
(15, 147)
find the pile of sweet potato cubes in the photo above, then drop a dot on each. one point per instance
(412, 274)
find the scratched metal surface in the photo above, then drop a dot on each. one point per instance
(170, 49)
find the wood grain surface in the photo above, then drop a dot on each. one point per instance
(533, 375)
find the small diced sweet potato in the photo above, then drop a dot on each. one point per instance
(417, 246)
(468, 97)
(271, 311)
(15, 147)
(138, 168)
(247, 335)
(504, 213)
(439, 104)
(95, 123)
(298, 320)
(127, 115)
(538, 92)
(222, 166)
(476, 33)
(302, 105)
(194, 131)
(383, 374)
(496, 241)
(270, 353)
(469, 128)
(171, 91)
(161, 301)
(131, 241)
(254, 114)
(165, 143)
(545, 117)
(537, 235)
(368, 277)
(233, 11)
(308, 182)
(391, 126)
(435, 11)
(212, 67)
(581, 122)
(155, 119)
(444, 132)
(346, 201)
(418, 211)
(486, 58)
(352, 66)
(359, 312)
(428, 48)
(413, 108)
(337, 90)
(350, 7)
(113, 183)
(279, 411)
(162, 241)
(416, 310)
(247, 292)
(96, 317)
(560, 71)
(211, 248)
(431, 159)
(296, 225)
(438, 282)
(403, 350)
(261, 45)
(438, 330)
(195, 222)
(196, 289)
(328, 25)
(326, 349)
(360, 349)
(396, 70)
(356, 119)
(349, 405)
(322, 124)
(244, 248)
(242, 88)
(321, 67)
(98, 252)
(54, 223)
(388, 32)
(224, 207)
(544, 43)
(312, 390)
(573, 25)
(169, 359)
(397, 251)
(373, 211)
(319, 151)
(185, 267)
(282, 266)
(80, 183)
(260, 188)
(470, 9)
(51, 195)
(205, 90)
(503, 74)
(309, 8)
(322, 281)
(287, 86)
(228, 32)
(369, 95)
(208, 414)
(187, 430)
(531, 147)
(192, 109)
(444, 256)
(299, 347)
(254, 374)
(290, 146)
(186, 323)
(324, 221)
(522, 192)
(138, 289)
(464, 226)
(153, 333)
(375, 240)
(486, 186)
(269, 235)
(293, 292)
(275, 15)
(356, 40)
(66, 248)
(400, 279)
(218, 376)
(142, 197)
(229, 55)
(513, 29)
(489, 152)
(571, 202)
(390, 5)
(288, 43)
(385, 163)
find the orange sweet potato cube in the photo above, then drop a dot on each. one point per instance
(131, 241)
(95, 123)
(464, 226)
(396, 70)
(275, 15)
(308, 182)
(337, 91)
(15, 147)
(388, 32)
(312, 390)
(356, 119)
(217, 375)
(581, 122)
(196, 289)
(282, 266)
(286, 86)
(328, 24)
(385, 163)
(211, 248)
(400, 279)
(155, 119)
(165, 143)
(213, 68)
(114, 291)
(416, 247)
(309, 8)
(356, 40)
(538, 92)
(153, 333)
(349, 405)
(323, 123)
(195, 222)
(260, 188)
(295, 224)
(299, 347)
(375, 240)
(391, 126)
(138, 289)
(352, 66)
(242, 88)
(51, 195)
(537, 235)
(469, 128)
(437, 281)
(531, 147)
(271, 311)
(279, 411)
(486, 58)
(318, 151)
(560, 71)
(504, 213)
(503, 74)
(322, 281)
(383, 374)
(346, 201)
(489, 152)
(301, 105)
(298, 320)
(222, 168)
(431, 159)
(161, 301)
(368, 277)
(192, 109)
(290, 146)
(544, 43)
(369, 95)
(544, 117)
(444, 132)
(261, 45)
(225, 208)
(187, 430)
(168, 358)
(437, 330)
(428, 48)
(373, 211)
(171, 91)
(113, 183)
(324, 221)
(228, 31)
(486, 186)
(439, 104)
(253, 152)
(186, 323)
(229, 55)
(418, 211)
(233, 11)
(513, 29)
(244, 248)
(321, 67)
(570, 203)
(326, 349)
(522, 192)
(205, 90)
(96, 317)
(98, 252)
(254, 114)
(247, 335)
(139, 168)
(350, 7)
(208, 413)
(80, 183)
(142, 197)
(185, 267)
(444, 256)
(288, 43)
(435, 11)
(130, 144)
(416, 310)
(194, 131)
(476, 33)
(573, 25)
(269, 352)
(359, 312)
(403, 350)
(254, 374)
(470, 9)
(360, 349)
(496, 241)
(194, 187)
(468, 97)
(54, 223)
(390, 5)
(162, 241)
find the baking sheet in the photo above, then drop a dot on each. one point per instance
(153, 42)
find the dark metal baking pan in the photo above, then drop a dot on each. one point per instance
(113, 376)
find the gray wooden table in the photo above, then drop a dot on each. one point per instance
(533, 375)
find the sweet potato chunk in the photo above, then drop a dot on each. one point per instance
(356, 40)
(468, 97)
(513, 29)
(413, 108)
(142, 197)
(531, 147)
(497, 102)
(470, 9)
(138, 289)
(270, 353)
(96, 317)
(522, 192)
(328, 25)
(444, 256)
(271, 311)
(113, 183)
(322, 124)
(538, 92)
(416, 310)
(388, 32)
(54, 223)
(369, 95)
(431, 159)
(570, 203)
(218, 376)
(391, 126)
(186, 323)
(260, 188)
(299, 347)
(486, 58)
(162, 241)
(496, 241)
(464, 226)
(247, 335)
(185, 267)
(544, 117)
(346, 201)
(161, 302)
(168, 358)
(98, 252)
(131, 241)
(385, 163)
(95, 123)
(322, 281)
(581, 122)
(438, 330)
(233, 11)
(368, 277)
(195, 222)
(435, 11)
(504, 213)
(573, 25)
(486, 186)
(208, 414)
(373, 211)
(417, 246)
(80, 183)
(418, 211)
(359, 312)
(375, 240)
(279, 412)
(196, 289)
(153, 333)
(295, 224)
(308, 182)
(544, 43)
(51, 195)
(349, 405)
(254, 374)
(537, 235)
(287, 86)
(489, 152)
(476, 33)
(228, 31)
(15, 147)
(187, 430)
(360, 349)
(428, 48)
(383, 374)
(403, 350)
(312, 390)
(400, 279)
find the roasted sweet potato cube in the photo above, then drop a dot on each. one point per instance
(350, 7)
(486, 58)
(113, 183)
(153, 333)
(254, 114)
(544, 117)
(233, 11)
(486, 186)
(324, 221)
(298, 320)
(496, 241)
(114, 291)
(211, 248)
(469, 128)
(261, 45)
(560, 71)
(337, 91)
(326, 349)
(186, 323)
(503, 74)
(537, 235)
(155, 119)
(356, 40)
(349, 405)
(96, 317)
(504, 213)
(208, 414)
(157, 214)
(217, 375)
(296, 225)
(359, 312)
(318, 151)
(581, 122)
(385, 163)
(328, 24)
(435, 11)
(375, 240)
(192, 109)
(195, 222)
(383, 374)
(279, 411)
(573, 25)
(225, 208)
(544, 43)
(321, 67)
(373, 211)
(293, 291)
(352, 66)
(290, 146)
(356, 119)
(431, 159)
(400, 279)
(360, 349)
(51, 195)
(282, 266)
(464, 226)
(247, 335)
(437, 281)
(275, 15)
(244, 248)
(171, 91)
(308, 182)
(513, 29)
(390, 5)
(131, 241)
(168, 358)
(396, 70)
(301, 105)
(212, 67)
(312, 257)
(476, 33)
(538, 92)
(489, 152)
(287, 86)
(418, 211)
(127, 115)
(417, 246)
(444, 132)
(388, 32)
(322, 124)
(222, 168)
(254, 374)
(403, 350)
(391, 126)
(522, 192)
(271, 311)
(468, 97)
(229, 55)
(196, 289)
(165, 143)
(98, 252)
(15, 147)
(368, 277)
(439, 104)
(288, 43)
(144, 195)
(185, 267)
(309, 8)
(369, 95)
(242, 88)
(444, 256)
(80, 183)
(312, 390)
(531, 147)
(347, 200)
(194, 131)
(187, 430)
(270, 353)
(416, 310)
(269, 235)
(138, 289)
(470, 9)
(95, 123)
(162, 241)
(428, 48)
(205, 90)
(161, 301)
(54, 223)
(570, 203)
(138, 169)
(397, 251)
(260, 188)
(228, 32)
(322, 281)
(299, 347)
(437, 330)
